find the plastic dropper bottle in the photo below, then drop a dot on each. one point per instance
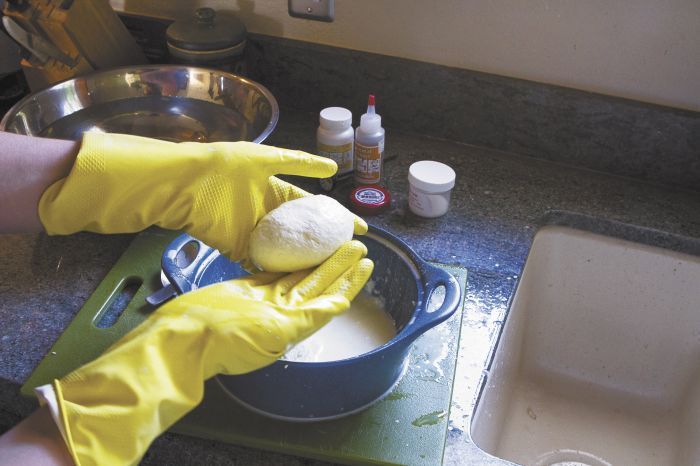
(369, 147)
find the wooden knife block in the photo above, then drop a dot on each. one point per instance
(89, 31)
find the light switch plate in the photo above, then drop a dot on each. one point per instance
(319, 10)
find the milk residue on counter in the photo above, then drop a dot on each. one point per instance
(360, 329)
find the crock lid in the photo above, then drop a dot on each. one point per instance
(369, 200)
(206, 30)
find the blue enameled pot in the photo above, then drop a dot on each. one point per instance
(312, 391)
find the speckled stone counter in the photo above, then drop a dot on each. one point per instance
(497, 205)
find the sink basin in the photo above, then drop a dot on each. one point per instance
(599, 360)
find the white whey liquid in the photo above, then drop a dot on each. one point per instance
(360, 329)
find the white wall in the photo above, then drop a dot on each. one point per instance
(646, 50)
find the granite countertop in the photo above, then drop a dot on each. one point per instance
(497, 205)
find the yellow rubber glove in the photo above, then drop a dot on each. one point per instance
(114, 407)
(216, 192)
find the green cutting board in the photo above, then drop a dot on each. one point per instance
(407, 427)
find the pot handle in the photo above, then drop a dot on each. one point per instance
(182, 260)
(423, 319)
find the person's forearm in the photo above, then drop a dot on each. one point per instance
(29, 165)
(36, 440)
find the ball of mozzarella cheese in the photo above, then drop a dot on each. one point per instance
(299, 234)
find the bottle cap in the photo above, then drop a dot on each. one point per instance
(335, 118)
(431, 176)
(370, 200)
(370, 122)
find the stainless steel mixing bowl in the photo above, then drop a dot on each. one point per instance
(170, 102)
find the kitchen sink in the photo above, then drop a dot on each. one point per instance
(599, 360)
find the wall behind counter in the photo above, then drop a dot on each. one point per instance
(645, 50)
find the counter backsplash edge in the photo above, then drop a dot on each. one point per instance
(609, 134)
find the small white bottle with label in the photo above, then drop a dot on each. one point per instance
(334, 139)
(369, 147)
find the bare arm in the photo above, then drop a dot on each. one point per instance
(35, 441)
(29, 165)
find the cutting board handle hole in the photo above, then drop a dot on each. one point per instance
(119, 302)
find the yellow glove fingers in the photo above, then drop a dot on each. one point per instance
(295, 162)
(316, 282)
(267, 286)
(285, 284)
(337, 297)
(278, 192)
(351, 282)
(317, 313)
(258, 279)
(239, 333)
(360, 226)
(252, 286)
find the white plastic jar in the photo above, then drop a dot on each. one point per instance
(430, 186)
(335, 137)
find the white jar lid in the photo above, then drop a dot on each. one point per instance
(335, 118)
(431, 176)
